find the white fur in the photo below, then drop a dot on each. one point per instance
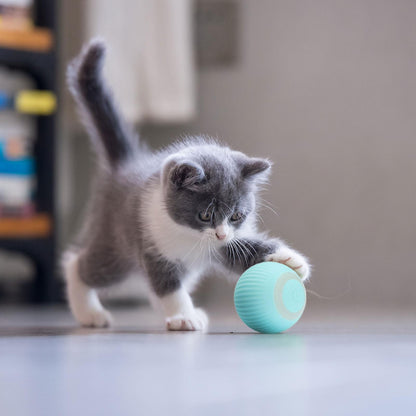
(293, 259)
(192, 278)
(181, 314)
(175, 241)
(83, 301)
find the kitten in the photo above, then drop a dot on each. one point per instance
(168, 215)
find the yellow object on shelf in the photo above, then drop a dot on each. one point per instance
(36, 39)
(35, 102)
(37, 226)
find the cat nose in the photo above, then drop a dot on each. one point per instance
(221, 236)
(221, 232)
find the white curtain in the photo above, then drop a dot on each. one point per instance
(150, 62)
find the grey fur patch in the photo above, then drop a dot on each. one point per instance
(239, 257)
(215, 185)
(165, 276)
(187, 175)
(253, 167)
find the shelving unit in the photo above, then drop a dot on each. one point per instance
(35, 237)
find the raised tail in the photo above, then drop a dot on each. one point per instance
(116, 142)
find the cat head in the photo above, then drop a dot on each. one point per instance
(212, 189)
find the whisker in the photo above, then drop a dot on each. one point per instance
(231, 253)
(191, 250)
(250, 255)
(209, 251)
(266, 206)
(243, 252)
(247, 247)
(215, 253)
(258, 216)
(250, 247)
(201, 250)
(267, 202)
(236, 251)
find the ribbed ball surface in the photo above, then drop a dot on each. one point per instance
(256, 293)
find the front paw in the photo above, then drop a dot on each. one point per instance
(94, 317)
(197, 320)
(292, 259)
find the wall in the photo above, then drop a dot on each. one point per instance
(327, 90)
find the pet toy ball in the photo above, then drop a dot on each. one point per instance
(269, 297)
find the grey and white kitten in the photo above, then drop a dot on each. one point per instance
(169, 215)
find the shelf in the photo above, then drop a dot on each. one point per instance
(34, 52)
(26, 245)
(35, 40)
(37, 226)
(31, 61)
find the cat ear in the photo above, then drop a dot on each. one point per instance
(184, 174)
(255, 168)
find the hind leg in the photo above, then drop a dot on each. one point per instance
(83, 300)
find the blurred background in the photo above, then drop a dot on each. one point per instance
(325, 89)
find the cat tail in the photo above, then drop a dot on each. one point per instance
(113, 139)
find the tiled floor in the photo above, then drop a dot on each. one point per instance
(325, 365)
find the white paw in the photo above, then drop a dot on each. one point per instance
(292, 259)
(83, 300)
(94, 317)
(197, 320)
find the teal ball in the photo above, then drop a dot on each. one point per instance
(269, 297)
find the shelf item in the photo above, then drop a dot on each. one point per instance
(16, 189)
(17, 211)
(15, 158)
(16, 14)
(14, 79)
(34, 102)
(17, 172)
(19, 167)
(36, 39)
(14, 147)
(37, 226)
(15, 267)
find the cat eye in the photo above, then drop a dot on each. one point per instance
(236, 216)
(204, 216)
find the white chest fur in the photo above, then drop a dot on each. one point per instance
(173, 240)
